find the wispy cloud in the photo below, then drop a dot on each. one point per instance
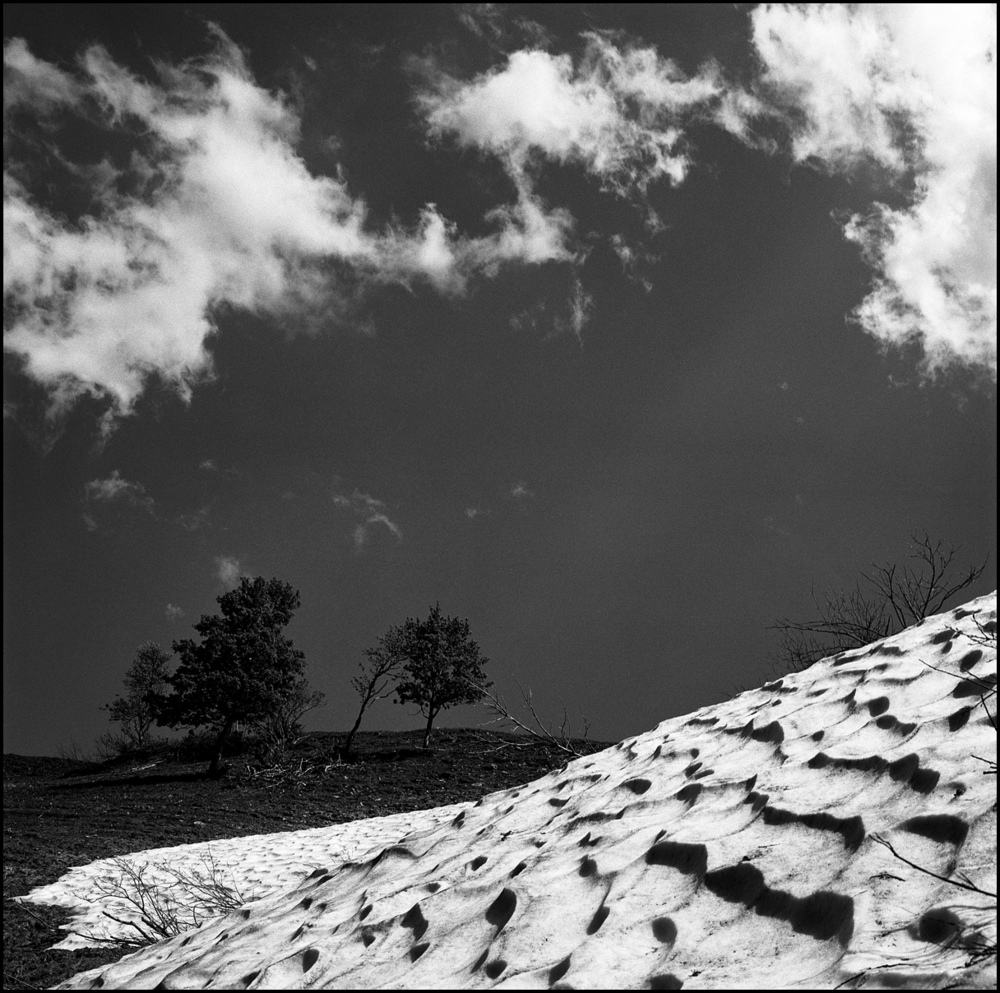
(910, 88)
(358, 501)
(215, 468)
(207, 204)
(913, 88)
(116, 489)
(493, 23)
(362, 532)
(227, 570)
(372, 510)
(192, 522)
(580, 308)
(619, 112)
(173, 612)
(389, 525)
(211, 207)
(520, 491)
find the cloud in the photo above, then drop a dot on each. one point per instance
(116, 489)
(521, 492)
(912, 88)
(473, 512)
(372, 510)
(358, 501)
(192, 522)
(361, 532)
(173, 613)
(227, 570)
(382, 519)
(619, 111)
(28, 80)
(493, 24)
(580, 306)
(360, 536)
(210, 207)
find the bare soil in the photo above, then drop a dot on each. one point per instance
(60, 813)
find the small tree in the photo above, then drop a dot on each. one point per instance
(441, 665)
(281, 728)
(895, 597)
(135, 711)
(385, 661)
(243, 668)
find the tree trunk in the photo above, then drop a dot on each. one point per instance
(427, 730)
(213, 769)
(345, 751)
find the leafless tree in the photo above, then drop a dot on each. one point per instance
(892, 598)
(384, 663)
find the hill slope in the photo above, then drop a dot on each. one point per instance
(739, 847)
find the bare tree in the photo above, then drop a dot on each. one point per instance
(385, 662)
(893, 598)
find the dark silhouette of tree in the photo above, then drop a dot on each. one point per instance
(441, 665)
(242, 670)
(893, 598)
(135, 711)
(385, 661)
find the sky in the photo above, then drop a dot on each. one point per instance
(614, 329)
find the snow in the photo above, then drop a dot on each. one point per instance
(738, 847)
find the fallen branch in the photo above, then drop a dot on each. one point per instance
(539, 732)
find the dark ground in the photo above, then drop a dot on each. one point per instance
(60, 813)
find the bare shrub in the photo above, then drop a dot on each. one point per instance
(893, 598)
(281, 729)
(167, 900)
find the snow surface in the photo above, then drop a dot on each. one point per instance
(733, 848)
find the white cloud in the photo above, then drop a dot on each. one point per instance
(358, 501)
(227, 570)
(220, 210)
(520, 492)
(912, 87)
(619, 112)
(392, 527)
(173, 613)
(191, 522)
(372, 510)
(28, 80)
(360, 536)
(116, 489)
(580, 307)
(493, 23)
(361, 532)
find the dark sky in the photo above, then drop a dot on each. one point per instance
(612, 328)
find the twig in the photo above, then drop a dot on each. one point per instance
(920, 868)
